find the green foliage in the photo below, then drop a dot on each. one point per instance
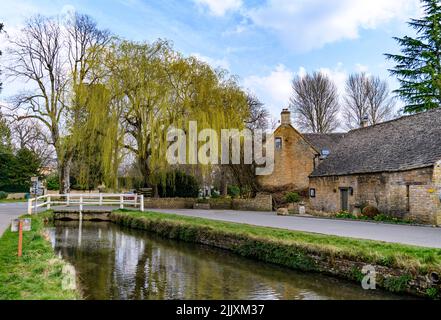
(3, 195)
(179, 184)
(292, 197)
(419, 67)
(397, 284)
(233, 191)
(37, 275)
(432, 293)
(53, 182)
(345, 215)
(17, 169)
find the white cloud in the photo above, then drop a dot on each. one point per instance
(273, 89)
(215, 63)
(308, 24)
(220, 7)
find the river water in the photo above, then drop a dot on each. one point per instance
(113, 262)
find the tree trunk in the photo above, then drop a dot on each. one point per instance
(64, 174)
(223, 181)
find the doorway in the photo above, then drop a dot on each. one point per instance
(344, 199)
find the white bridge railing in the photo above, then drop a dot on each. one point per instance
(88, 199)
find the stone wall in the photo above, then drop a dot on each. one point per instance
(293, 163)
(262, 202)
(408, 194)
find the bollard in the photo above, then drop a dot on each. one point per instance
(141, 203)
(121, 202)
(20, 238)
(81, 204)
(29, 206)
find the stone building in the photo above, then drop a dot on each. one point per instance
(296, 156)
(394, 166)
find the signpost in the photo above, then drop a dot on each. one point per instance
(20, 225)
(36, 190)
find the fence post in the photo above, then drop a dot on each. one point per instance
(101, 199)
(81, 203)
(29, 206)
(121, 202)
(68, 200)
(141, 204)
(48, 202)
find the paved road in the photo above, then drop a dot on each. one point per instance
(413, 235)
(9, 211)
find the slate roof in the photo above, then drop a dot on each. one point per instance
(323, 141)
(406, 143)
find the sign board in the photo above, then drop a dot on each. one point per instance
(37, 188)
(34, 179)
(26, 225)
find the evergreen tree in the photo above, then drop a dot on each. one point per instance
(418, 68)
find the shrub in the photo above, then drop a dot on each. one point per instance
(53, 182)
(179, 184)
(233, 191)
(370, 211)
(292, 197)
(3, 195)
(345, 215)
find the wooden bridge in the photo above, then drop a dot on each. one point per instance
(85, 206)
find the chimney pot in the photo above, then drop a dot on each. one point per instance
(364, 121)
(285, 117)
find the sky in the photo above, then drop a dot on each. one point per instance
(266, 43)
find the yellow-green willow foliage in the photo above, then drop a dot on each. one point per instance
(146, 89)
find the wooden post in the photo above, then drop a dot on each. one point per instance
(121, 202)
(67, 200)
(81, 203)
(49, 202)
(20, 238)
(101, 199)
(141, 203)
(30, 206)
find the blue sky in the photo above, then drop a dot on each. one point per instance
(265, 42)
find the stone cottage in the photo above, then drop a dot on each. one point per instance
(394, 166)
(296, 156)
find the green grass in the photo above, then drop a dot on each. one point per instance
(37, 275)
(412, 258)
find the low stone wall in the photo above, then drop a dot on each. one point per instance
(262, 202)
(169, 203)
(16, 196)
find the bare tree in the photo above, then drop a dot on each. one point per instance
(54, 59)
(30, 134)
(315, 103)
(366, 96)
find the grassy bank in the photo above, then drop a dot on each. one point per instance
(38, 273)
(400, 268)
(12, 200)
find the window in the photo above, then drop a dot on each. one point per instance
(278, 143)
(312, 193)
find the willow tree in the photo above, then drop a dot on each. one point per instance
(154, 88)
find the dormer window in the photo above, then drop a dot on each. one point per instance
(324, 153)
(278, 143)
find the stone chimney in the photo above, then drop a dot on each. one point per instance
(286, 117)
(364, 121)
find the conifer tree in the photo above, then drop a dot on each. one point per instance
(418, 67)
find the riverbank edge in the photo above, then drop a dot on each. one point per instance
(288, 254)
(39, 273)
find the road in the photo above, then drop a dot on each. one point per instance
(9, 211)
(413, 235)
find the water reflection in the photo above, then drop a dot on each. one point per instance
(119, 263)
